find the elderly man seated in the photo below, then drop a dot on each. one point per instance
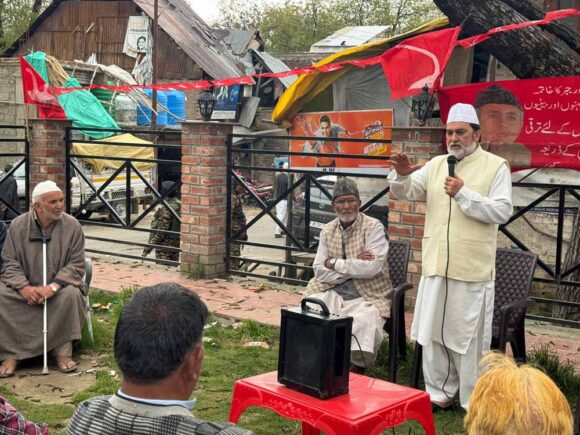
(22, 294)
(159, 350)
(351, 273)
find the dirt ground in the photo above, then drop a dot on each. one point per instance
(54, 388)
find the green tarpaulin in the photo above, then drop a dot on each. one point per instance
(85, 110)
(38, 61)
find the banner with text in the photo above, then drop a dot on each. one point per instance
(532, 123)
(323, 127)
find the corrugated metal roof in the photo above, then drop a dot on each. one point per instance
(194, 37)
(346, 37)
(238, 40)
(184, 26)
(275, 65)
(249, 110)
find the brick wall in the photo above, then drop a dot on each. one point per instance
(406, 218)
(47, 151)
(203, 197)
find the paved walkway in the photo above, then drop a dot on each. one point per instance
(262, 301)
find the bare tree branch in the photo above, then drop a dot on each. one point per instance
(528, 52)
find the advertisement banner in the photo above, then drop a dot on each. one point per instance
(532, 123)
(359, 124)
(226, 106)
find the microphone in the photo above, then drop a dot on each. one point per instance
(451, 162)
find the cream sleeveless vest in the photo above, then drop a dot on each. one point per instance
(472, 242)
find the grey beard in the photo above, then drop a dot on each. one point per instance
(347, 218)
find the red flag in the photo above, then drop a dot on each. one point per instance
(36, 92)
(418, 61)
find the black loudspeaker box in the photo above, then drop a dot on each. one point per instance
(314, 350)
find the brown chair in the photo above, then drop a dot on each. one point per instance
(514, 272)
(398, 259)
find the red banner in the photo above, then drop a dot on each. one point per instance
(532, 123)
(36, 91)
(324, 126)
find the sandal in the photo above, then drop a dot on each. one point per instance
(8, 368)
(65, 364)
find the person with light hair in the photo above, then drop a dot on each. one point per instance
(468, 193)
(508, 399)
(22, 293)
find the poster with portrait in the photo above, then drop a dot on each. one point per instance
(137, 38)
(532, 123)
(323, 127)
(226, 106)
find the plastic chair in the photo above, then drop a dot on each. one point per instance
(398, 259)
(514, 272)
(87, 279)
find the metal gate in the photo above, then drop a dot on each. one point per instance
(106, 191)
(14, 138)
(262, 259)
(290, 261)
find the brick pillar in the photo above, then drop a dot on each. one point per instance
(47, 152)
(407, 218)
(203, 197)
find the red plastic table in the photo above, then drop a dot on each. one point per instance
(370, 407)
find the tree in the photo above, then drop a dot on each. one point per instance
(15, 17)
(528, 53)
(295, 25)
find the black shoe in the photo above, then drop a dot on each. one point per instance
(278, 236)
(357, 369)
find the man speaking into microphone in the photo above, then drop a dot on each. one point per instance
(467, 194)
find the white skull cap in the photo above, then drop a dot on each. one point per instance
(44, 187)
(462, 113)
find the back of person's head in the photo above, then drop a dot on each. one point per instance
(8, 167)
(157, 328)
(513, 400)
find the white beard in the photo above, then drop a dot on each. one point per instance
(462, 152)
(347, 218)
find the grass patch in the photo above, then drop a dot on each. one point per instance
(227, 360)
(561, 372)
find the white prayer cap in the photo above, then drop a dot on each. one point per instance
(463, 113)
(44, 187)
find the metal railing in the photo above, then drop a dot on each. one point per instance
(115, 202)
(20, 137)
(298, 179)
(556, 273)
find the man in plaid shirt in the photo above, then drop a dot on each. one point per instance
(14, 423)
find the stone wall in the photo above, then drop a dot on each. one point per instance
(12, 109)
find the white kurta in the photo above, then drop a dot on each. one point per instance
(466, 301)
(367, 321)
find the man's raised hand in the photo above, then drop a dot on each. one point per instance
(403, 164)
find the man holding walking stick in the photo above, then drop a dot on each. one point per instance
(22, 289)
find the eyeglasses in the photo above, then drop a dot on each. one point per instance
(345, 201)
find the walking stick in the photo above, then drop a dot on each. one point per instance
(44, 239)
